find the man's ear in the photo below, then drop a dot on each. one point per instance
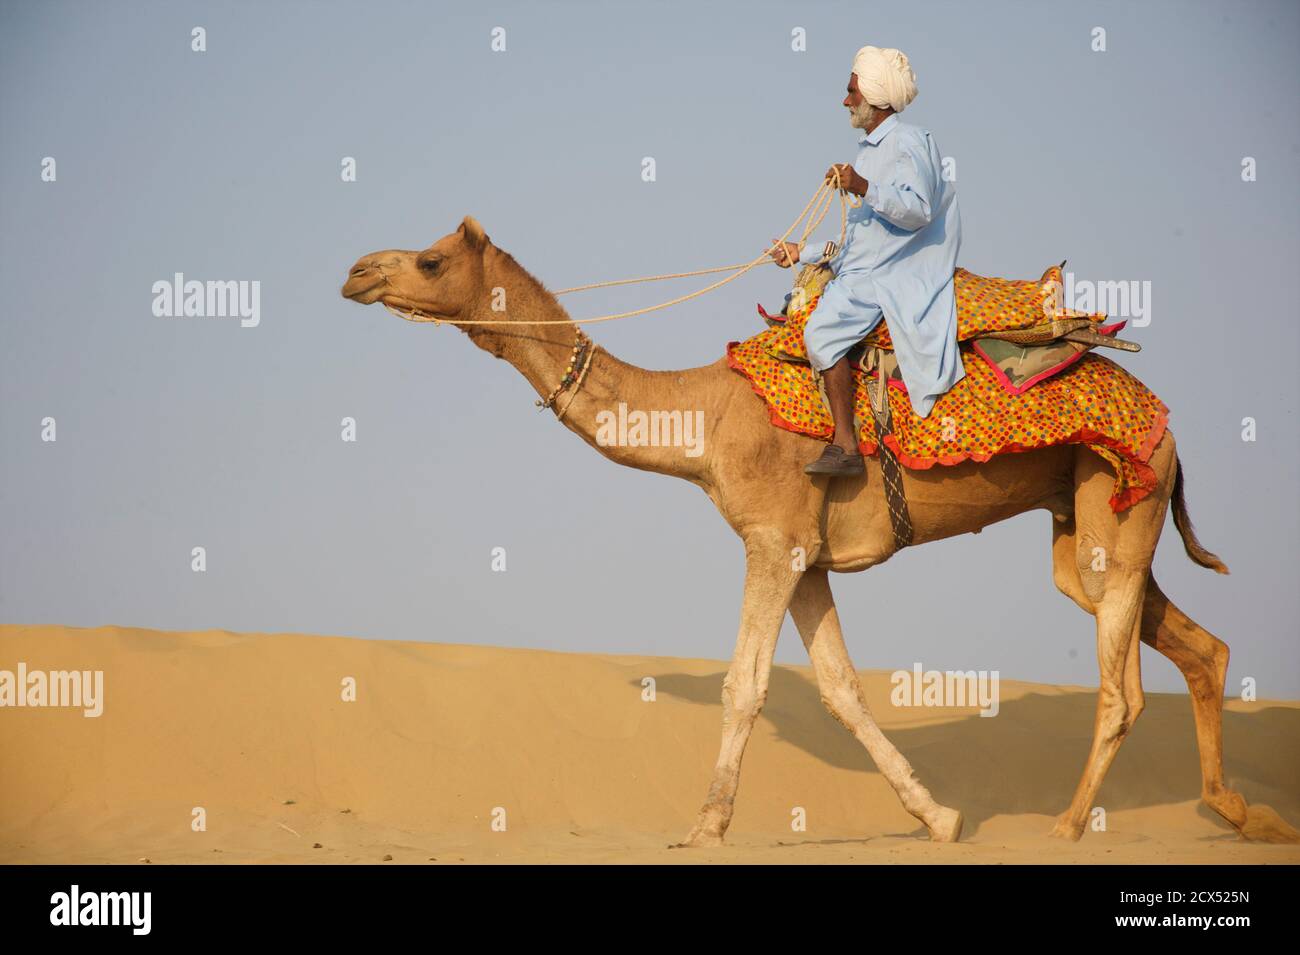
(473, 233)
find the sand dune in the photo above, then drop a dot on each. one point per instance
(252, 728)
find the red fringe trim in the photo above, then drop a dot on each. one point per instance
(771, 409)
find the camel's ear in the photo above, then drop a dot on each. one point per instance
(473, 233)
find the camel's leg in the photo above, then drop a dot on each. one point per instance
(1112, 556)
(1203, 659)
(1119, 698)
(813, 610)
(769, 582)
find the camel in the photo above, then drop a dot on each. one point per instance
(753, 473)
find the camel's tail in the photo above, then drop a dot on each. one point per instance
(1185, 530)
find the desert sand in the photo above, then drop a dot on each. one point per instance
(253, 729)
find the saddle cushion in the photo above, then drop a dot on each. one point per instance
(986, 305)
(1090, 401)
(1017, 366)
(1020, 367)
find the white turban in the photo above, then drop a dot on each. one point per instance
(885, 78)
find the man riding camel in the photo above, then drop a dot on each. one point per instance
(897, 263)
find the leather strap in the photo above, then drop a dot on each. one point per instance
(891, 471)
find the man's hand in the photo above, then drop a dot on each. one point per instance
(784, 254)
(850, 181)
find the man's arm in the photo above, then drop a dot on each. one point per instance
(851, 182)
(906, 199)
(812, 253)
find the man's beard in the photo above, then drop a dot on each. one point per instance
(862, 115)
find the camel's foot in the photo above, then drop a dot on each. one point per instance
(1228, 804)
(1067, 828)
(708, 831)
(699, 840)
(1265, 825)
(945, 826)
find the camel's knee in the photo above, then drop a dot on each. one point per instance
(1117, 715)
(1214, 670)
(741, 700)
(1136, 702)
(843, 703)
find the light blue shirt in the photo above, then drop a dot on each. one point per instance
(899, 254)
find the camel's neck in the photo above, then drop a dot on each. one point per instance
(651, 420)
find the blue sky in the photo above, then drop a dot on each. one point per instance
(225, 165)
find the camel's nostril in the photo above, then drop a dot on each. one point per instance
(360, 269)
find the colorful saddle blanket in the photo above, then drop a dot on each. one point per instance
(1087, 400)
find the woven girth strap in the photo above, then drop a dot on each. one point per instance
(890, 470)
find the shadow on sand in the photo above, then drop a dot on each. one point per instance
(1010, 764)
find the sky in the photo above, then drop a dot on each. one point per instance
(225, 164)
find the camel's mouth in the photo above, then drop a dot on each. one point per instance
(365, 288)
(377, 292)
(370, 282)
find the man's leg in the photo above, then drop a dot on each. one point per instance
(837, 324)
(839, 388)
(840, 457)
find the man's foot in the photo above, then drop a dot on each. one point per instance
(836, 462)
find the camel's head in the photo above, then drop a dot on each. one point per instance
(445, 280)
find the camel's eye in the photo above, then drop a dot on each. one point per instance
(430, 265)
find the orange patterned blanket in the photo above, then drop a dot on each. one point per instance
(1093, 402)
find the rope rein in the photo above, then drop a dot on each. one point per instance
(816, 210)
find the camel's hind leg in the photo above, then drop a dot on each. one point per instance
(1203, 659)
(813, 610)
(1112, 556)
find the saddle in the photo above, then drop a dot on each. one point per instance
(1020, 328)
(1029, 383)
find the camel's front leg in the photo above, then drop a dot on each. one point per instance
(769, 582)
(813, 610)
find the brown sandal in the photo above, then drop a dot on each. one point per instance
(836, 462)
